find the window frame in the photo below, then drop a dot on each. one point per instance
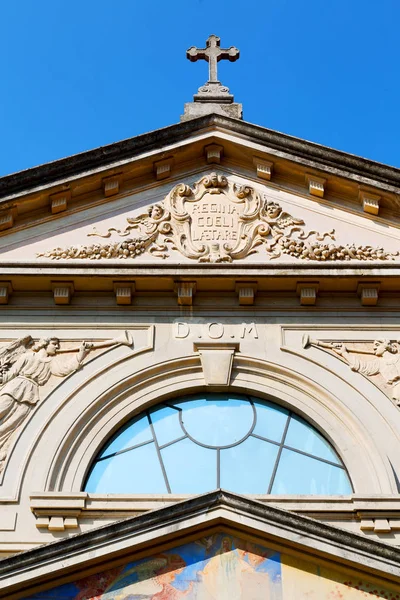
(178, 404)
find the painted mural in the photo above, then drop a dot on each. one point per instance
(221, 567)
(305, 580)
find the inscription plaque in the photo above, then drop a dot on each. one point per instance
(214, 221)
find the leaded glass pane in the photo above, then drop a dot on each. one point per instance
(271, 420)
(300, 474)
(166, 424)
(217, 420)
(191, 468)
(302, 436)
(132, 435)
(247, 468)
(134, 472)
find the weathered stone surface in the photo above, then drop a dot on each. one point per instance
(193, 110)
(278, 238)
(305, 153)
(220, 221)
(185, 518)
(27, 366)
(212, 97)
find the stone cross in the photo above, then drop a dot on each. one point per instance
(212, 53)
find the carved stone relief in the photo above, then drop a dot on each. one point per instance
(218, 221)
(385, 364)
(25, 366)
(214, 330)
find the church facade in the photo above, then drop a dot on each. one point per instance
(200, 367)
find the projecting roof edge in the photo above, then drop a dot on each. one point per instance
(269, 520)
(323, 157)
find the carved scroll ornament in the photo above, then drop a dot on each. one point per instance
(25, 366)
(384, 362)
(218, 221)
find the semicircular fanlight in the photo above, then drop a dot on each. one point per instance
(195, 444)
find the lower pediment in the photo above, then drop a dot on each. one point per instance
(218, 545)
(223, 566)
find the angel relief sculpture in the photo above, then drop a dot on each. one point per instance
(217, 221)
(385, 362)
(25, 366)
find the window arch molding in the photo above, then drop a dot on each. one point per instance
(170, 379)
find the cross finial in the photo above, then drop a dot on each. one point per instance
(212, 97)
(212, 53)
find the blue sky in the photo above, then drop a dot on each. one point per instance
(77, 74)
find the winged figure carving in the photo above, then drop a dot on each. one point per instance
(25, 366)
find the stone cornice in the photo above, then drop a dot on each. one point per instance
(286, 270)
(218, 508)
(369, 511)
(307, 153)
(275, 283)
(43, 197)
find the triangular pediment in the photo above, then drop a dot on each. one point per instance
(72, 192)
(203, 548)
(214, 217)
(277, 207)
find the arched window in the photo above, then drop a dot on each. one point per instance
(198, 443)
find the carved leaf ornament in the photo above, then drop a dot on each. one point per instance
(218, 221)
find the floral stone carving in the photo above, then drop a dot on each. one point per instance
(385, 363)
(25, 366)
(218, 221)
